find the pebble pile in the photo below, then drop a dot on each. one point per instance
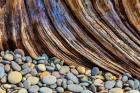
(23, 74)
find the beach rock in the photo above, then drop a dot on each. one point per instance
(8, 57)
(45, 90)
(33, 80)
(60, 89)
(33, 89)
(116, 90)
(95, 71)
(64, 70)
(2, 72)
(49, 80)
(15, 66)
(109, 84)
(81, 70)
(23, 90)
(72, 77)
(75, 88)
(14, 77)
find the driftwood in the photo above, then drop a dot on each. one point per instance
(105, 33)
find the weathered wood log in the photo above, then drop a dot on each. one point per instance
(105, 33)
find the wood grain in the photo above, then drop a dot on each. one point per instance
(105, 33)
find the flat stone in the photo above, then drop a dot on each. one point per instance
(41, 67)
(98, 82)
(131, 83)
(15, 66)
(14, 77)
(108, 76)
(49, 80)
(2, 72)
(2, 91)
(119, 84)
(26, 84)
(116, 90)
(72, 77)
(75, 88)
(133, 91)
(125, 78)
(60, 89)
(86, 91)
(23, 90)
(33, 80)
(95, 71)
(45, 90)
(19, 51)
(109, 84)
(44, 74)
(8, 57)
(81, 69)
(56, 74)
(33, 89)
(64, 70)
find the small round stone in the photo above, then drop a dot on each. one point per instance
(45, 90)
(59, 89)
(75, 88)
(98, 82)
(19, 51)
(125, 78)
(119, 84)
(74, 71)
(116, 90)
(23, 90)
(15, 66)
(56, 74)
(81, 69)
(14, 77)
(41, 67)
(8, 57)
(44, 74)
(108, 76)
(95, 71)
(86, 91)
(2, 91)
(33, 80)
(49, 80)
(109, 84)
(133, 91)
(2, 72)
(64, 70)
(33, 89)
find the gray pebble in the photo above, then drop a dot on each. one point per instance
(33, 89)
(119, 84)
(109, 84)
(28, 59)
(50, 68)
(64, 70)
(60, 89)
(131, 83)
(136, 83)
(86, 91)
(26, 84)
(49, 80)
(75, 88)
(95, 71)
(2, 72)
(72, 77)
(15, 66)
(125, 78)
(45, 90)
